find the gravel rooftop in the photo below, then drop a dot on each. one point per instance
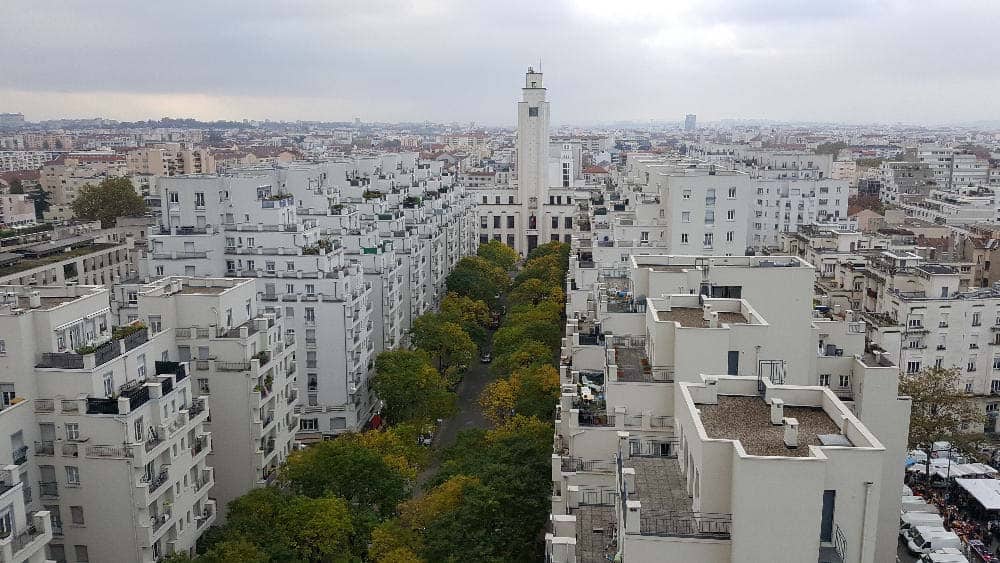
(748, 419)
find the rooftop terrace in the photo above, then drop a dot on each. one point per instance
(747, 419)
(692, 317)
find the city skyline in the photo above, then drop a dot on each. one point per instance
(394, 62)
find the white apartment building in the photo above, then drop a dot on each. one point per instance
(961, 207)
(923, 314)
(244, 362)
(720, 420)
(348, 251)
(116, 442)
(954, 168)
(24, 160)
(786, 205)
(702, 208)
(905, 182)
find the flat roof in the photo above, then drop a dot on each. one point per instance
(748, 419)
(203, 290)
(693, 317)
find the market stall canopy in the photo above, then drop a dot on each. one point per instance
(985, 491)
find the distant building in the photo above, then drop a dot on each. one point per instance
(690, 122)
(11, 119)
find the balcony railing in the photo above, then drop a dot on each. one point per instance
(200, 443)
(197, 407)
(21, 539)
(156, 481)
(48, 489)
(596, 419)
(45, 447)
(687, 524)
(573, 464)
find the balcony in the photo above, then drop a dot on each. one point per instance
(156, 481)
(45, 448)
(197, 407)
(48, 489)
(200, 443)
(21, 455)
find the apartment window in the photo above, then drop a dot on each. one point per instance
(109, 384)
(996, 362)
(510, 240)
(155, 323)
(912, 367)
(133, 297)
(76, 515)
(709, 217)
(309, 424)
(554, 237)
(510, 200)
(971, 364)
(72, 475)
(310, 313)
(686, 194)
(995, 386)
(555, 222)
(312, 382)
(533, 111)
(496, 221)
(140, 367)
(485, 200)
(510, 221)
(730, 236)
(73, 431)
(824, 379)
(310, 359)
(203, 385)
(81, 554)
(684, 238)
(731, 215)
(175, 197)
(497, 200)
(976, 318)
(939, 363)
(483, 222)
(732, 193)
(483, 239)
(708, 240)
(250, 242)
(685, 216)
(269, 266)
(310, 289)
(845, 381)
(199, 199)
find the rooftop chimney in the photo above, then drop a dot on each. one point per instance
(777, 411)
(34, 300)
(791, 432)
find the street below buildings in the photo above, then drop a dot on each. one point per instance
(469, 416)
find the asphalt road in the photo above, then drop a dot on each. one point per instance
(469, 416)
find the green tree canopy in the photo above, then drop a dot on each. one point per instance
(473, 316)
(333, 468)
(939, 409)
(498, 254)
(533, 291)
(449, 347)
(16, 187)
(527, 354)
(107, 201)
(479, 279)
(410, 387)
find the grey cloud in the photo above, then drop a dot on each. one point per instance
(459, 60)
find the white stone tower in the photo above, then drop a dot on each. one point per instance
(532, 154)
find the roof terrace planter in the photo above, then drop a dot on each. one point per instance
(176, 369)
(66, 360)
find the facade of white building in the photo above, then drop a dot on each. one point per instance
(707, 417)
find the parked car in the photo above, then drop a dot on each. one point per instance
(486, 358)
(927, 540)
(910, 520)
(944, 555)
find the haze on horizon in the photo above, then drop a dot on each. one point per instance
(853, 61)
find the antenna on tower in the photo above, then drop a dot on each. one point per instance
(539, 64)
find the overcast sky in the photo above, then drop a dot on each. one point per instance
(460, 60)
